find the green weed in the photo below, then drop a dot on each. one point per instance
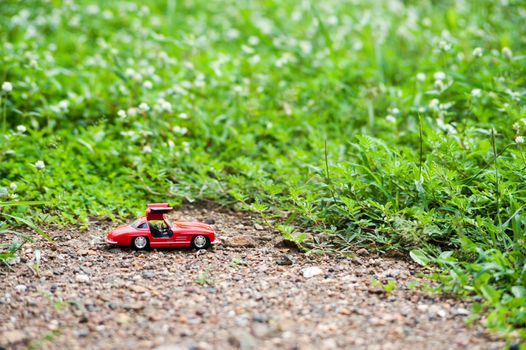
(203, 278)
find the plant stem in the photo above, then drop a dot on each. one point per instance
(4, 112)
(497, 191)
(421, 140)
(327, 174)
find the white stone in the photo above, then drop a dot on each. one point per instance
(82, 278)
(311, 271)
(21, 288)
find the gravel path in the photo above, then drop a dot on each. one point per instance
(249, 293)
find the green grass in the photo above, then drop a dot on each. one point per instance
(311, 112)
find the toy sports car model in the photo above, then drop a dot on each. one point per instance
(156, 230)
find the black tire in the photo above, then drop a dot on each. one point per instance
(200, 242)
(140, 243)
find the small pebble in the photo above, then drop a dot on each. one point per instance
(311, 271)
(82, 278)
(283, 260)
(460, 311)
(259, 318)
(82, 333)
(21, 288)
(148, 274)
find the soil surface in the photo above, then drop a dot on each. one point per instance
(248, 292)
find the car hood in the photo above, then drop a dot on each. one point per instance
(192, 226)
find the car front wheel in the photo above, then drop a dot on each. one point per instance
(139, 243)
(200, 242)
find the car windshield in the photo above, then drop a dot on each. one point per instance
(135, 223)
(169, 222)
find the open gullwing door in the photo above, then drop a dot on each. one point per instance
(155, 211)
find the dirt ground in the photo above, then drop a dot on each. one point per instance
(248, 292)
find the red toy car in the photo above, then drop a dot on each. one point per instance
(156, 230)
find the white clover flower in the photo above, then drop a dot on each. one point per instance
(254, 59)
(513, 94)
(285, 59)
(146, 149)
(421, 77)
(297, 15)
(102, 43)
(7, 86)
(133, 74)
(167, 106)
(92, 9)
(163, 56)
(74, 21)
(519, 139)
(306, 46)
(332, 20)
(439, 76)
(445, 126)
(199, 83)
(143, 107)
(506, 52)
(21, 129)
(253, 40)
(395, 110)
(63, 105)
(39, 164)
(13, 186)
(186, 147)
(444, 45)
(390, 119)
(183, 115)
(247, 49)
(107, 14)
(232, 33)
(147, 84)
(477, 52)
(130, 134)
(163, 106)
(434, 103)
(476, 92)
(179, 130)
(121, 113)
(516, 127)
(445, 106)
(132, 111)
(216, 67)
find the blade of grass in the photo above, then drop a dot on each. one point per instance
(26, 237)
(14, 204)
(30, 224)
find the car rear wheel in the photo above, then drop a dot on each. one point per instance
(139, 243)
(200, 242)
